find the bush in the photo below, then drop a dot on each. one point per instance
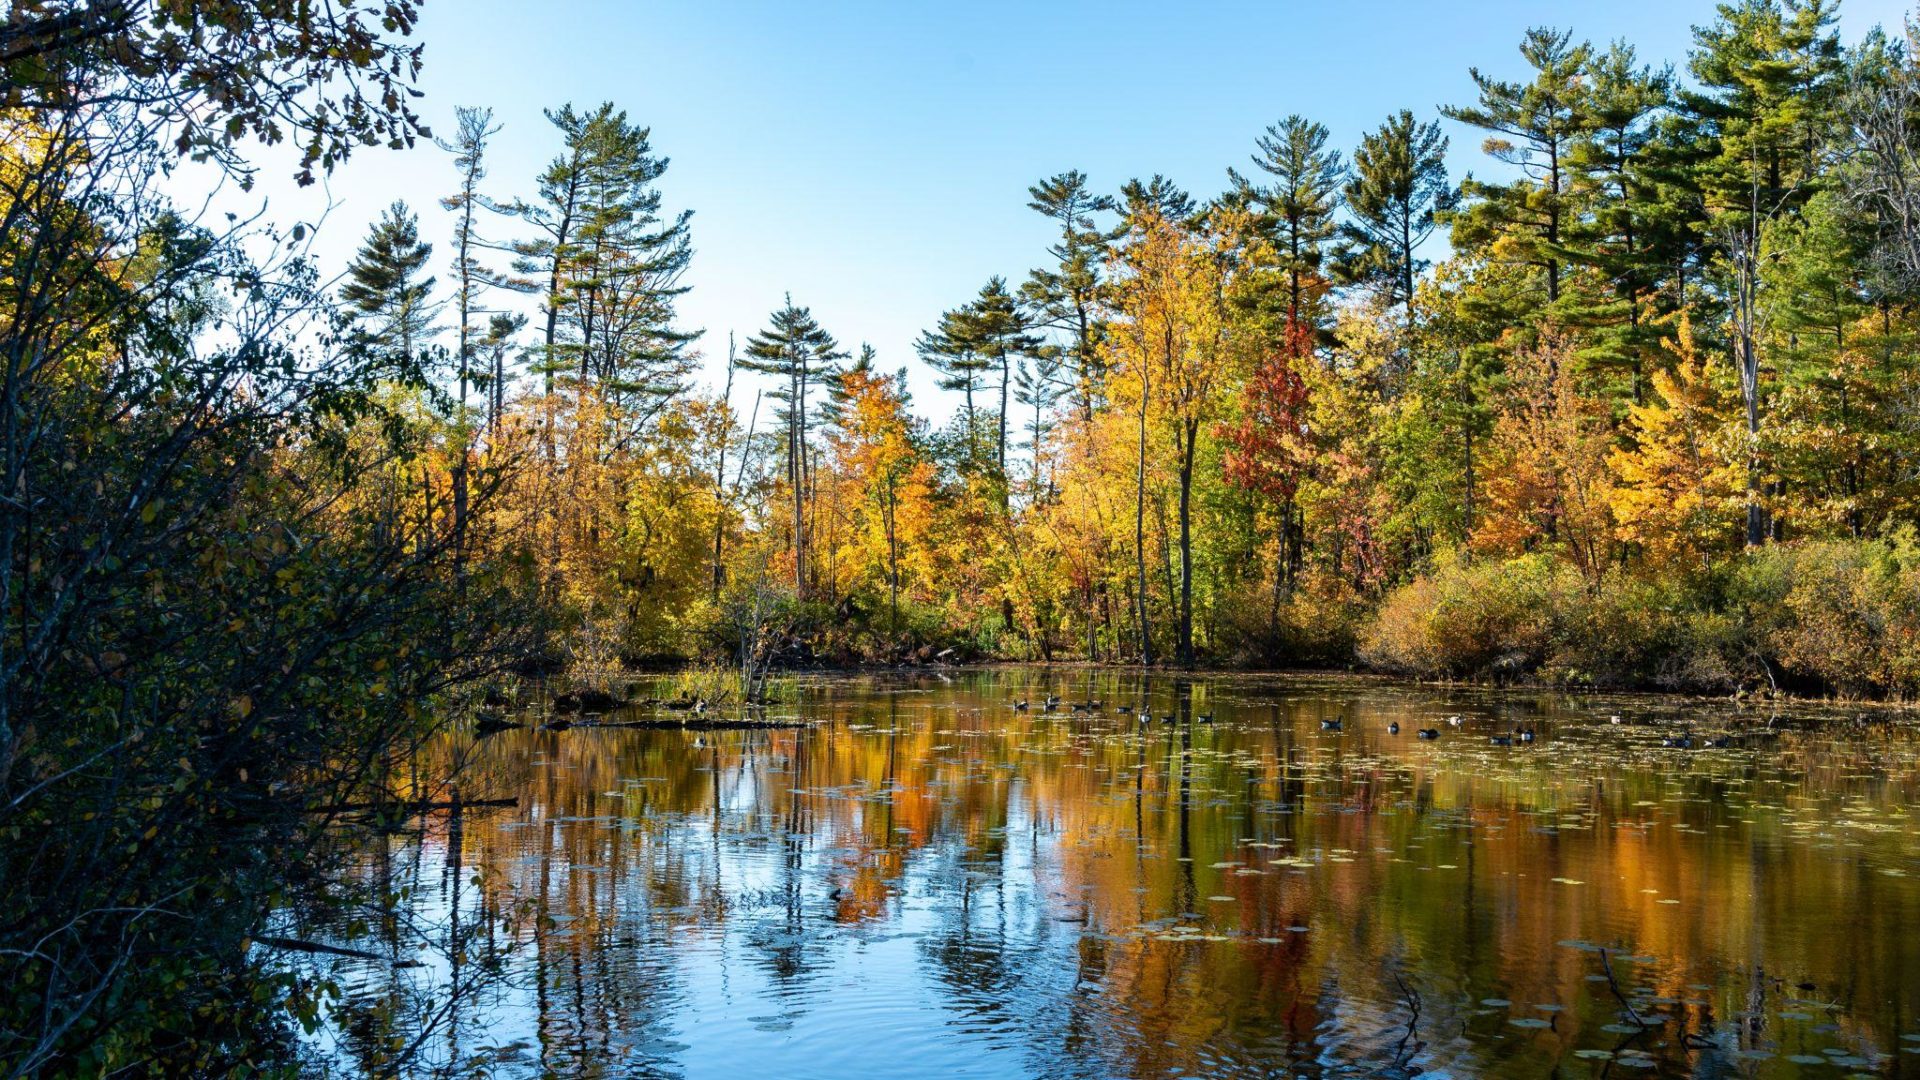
(1474, 619)
(1843, 613)
(1831, 616)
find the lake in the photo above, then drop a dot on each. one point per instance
(926, 881)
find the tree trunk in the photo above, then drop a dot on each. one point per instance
(1186, 542)
(1140, 530)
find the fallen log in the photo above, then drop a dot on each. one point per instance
(297, 945)
(411, 808)
(697, 724)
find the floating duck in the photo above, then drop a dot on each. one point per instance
(1330, 725)
(1526, 734)
(1428, 733)
(1020, 706)
(1393, 728)
(1500, 740)
(1454, 721)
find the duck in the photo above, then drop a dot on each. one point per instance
(1124, 709)
(1615, 719)
(1330, 725)
(1721, 743)
(1500, 740)
(1428, 733)
(1526, 734)
(1169, 718)
(1081, 706)
(1020, 706)
(1053, 702)
(1393, 727)
(1205, 718)
(1677, 742)
(1454, 721)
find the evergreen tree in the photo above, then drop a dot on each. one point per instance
(1159, 197)
(546, 259)
(794, 347)
(1768, 74)
(1039, 384)
(1616, 232)
(1531, 127)
(1066, 299)
(502, 329)
(384, 287)
(606, 262)
(995, 330)
(1297, 210)
(950, 349)
(620, 291)
(1399, 188)
(471, 276)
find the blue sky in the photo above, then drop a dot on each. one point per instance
(874, 158)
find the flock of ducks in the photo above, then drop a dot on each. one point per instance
(1521, 735)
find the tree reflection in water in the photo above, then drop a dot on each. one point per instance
(925, 882)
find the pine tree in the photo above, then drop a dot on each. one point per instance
(795, 348)
(606, 262)
(545, 259)
(471, 276)
(1531, 127)
(1769, 75)
(621, 290)
(1398, 190)
(1039, 384)
(1297, 211)
(1066, 299)
(502, 329)
(1157, 198)
(384, 287)
(950, 350)
(995, 330)
(1615, 191)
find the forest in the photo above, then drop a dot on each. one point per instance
(1634, 409)
(1633, 406)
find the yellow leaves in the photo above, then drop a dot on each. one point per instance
(1674, 492)
(242, 706)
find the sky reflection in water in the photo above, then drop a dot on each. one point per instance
(929, 883)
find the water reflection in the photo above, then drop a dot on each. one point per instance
(925, 881)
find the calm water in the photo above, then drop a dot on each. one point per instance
(925, 882)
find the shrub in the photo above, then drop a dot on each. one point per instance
(1473, 619)
(1844, 613)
